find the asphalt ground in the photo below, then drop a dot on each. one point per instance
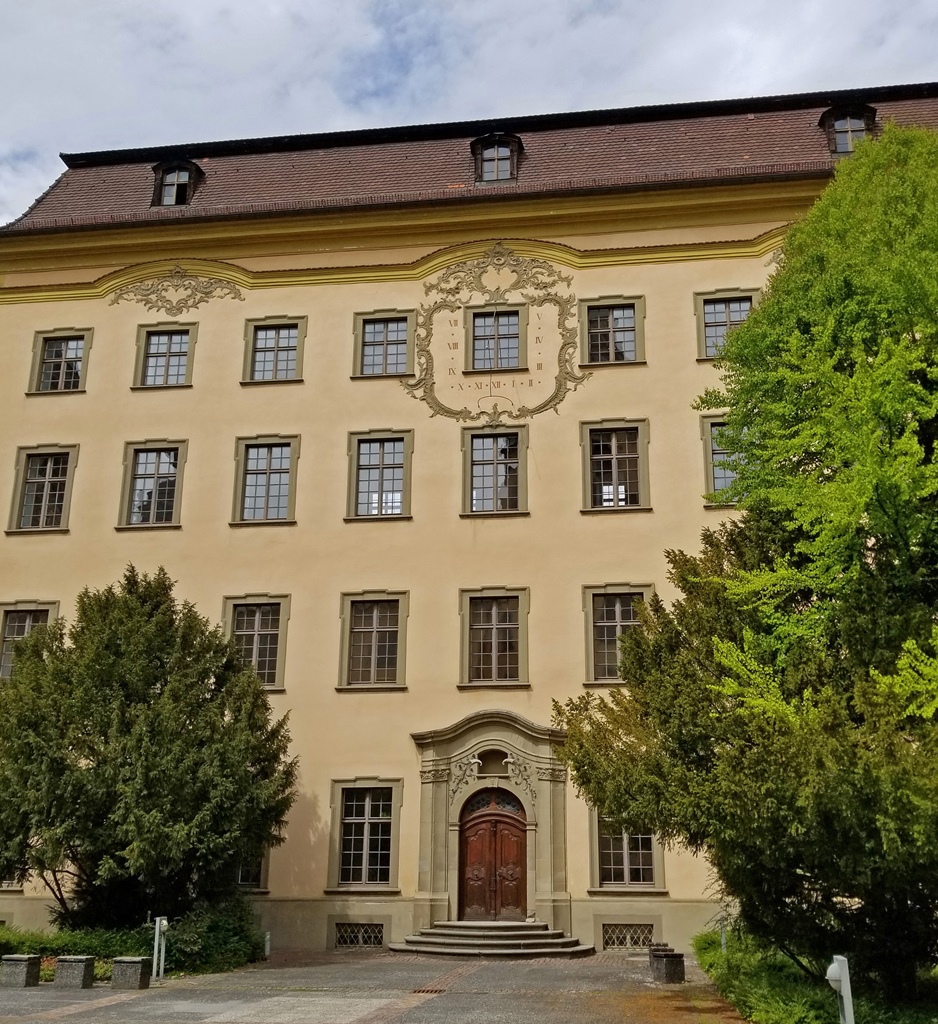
(390, 988)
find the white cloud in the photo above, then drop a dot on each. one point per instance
(103, 74)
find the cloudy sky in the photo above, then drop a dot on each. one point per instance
(80, 75)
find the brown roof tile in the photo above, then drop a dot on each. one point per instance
(711, 143)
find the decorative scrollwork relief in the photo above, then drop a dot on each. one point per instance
(477, 281)
(520, 773)
(552, 773)
(434, 774)
(463, 772)
(177, 292)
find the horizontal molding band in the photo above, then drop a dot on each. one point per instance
(567, 256)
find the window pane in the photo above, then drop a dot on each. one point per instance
(16, 625)
(494, 638)
(153, 485)
(365, 843)
(612, 615)
(384, 346)
(719, 316)
(380, 477)
(256, 632)
(614, 468)
(61, 364)
(495, 340)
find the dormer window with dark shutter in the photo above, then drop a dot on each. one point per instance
(496, 157)
(845, 128)
(175, 183)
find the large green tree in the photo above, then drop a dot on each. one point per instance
(139, 759)
(780, 715)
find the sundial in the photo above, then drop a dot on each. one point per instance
(449, 377)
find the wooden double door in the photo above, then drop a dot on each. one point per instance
(492, 858)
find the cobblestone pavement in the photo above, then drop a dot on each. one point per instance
(387, 988)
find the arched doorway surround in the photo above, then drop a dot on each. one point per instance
(492, 750)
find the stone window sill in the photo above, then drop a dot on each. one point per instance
(609, 362)
(131, 527)
(36, 530)
(496, 370)
(505, 514)
(622, 509)
(263, 522)
(624, 890)
(158, 387)
(56, 391)
(371, 688)
(277, 380)
(377, 519)
(364, 890)
(494, 685)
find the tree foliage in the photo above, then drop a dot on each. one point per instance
(781, 714)
(139, 760)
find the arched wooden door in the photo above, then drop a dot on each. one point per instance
(492, 858)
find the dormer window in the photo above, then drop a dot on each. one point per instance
(175, 183)
(845, 128)
(496, 157)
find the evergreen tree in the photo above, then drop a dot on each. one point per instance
(139, 760)
(780, 716)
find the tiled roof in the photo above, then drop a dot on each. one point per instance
(612, 150)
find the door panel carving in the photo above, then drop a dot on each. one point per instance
(493, 858)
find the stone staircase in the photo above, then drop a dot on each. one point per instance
(493, 938)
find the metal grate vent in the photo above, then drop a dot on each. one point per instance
(358, 936)
(627, 936)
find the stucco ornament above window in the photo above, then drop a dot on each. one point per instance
(177, 292)
(472, 364)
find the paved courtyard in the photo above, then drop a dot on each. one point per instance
(381, 988)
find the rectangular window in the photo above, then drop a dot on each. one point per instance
(494, 624)
(61, 364)
(384, 347)
(274, 356)
(612, 615)
(625, 859)
(366, 836)
(723, 475)
(60, 360)
(257, 623)
(612, 330)
(18, 623)
(373, 645)
(615, 469)
(257, 636)
(266, 479)
(718, 471)
(43, 487)
(373, 642)
(494, 639)
(718, 312)
(381, 477)
(494, 473)
(164, 355)
(379, 485)
(273, 349)
(496, 340)
(153, 486)
(252, 874)
(609, 611)
(165, 359)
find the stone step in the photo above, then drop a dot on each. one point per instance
(473, 942)
(560, 952)
(491, 933)
(499, 926)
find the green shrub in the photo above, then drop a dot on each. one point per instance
(96, 942)
(767, 988)
(208, 938)
(214, 938)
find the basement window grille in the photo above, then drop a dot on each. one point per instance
(627, 936)
(349, 935)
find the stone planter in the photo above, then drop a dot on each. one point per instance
(74, 971)
(19, 971)
(131, 972)
(667, 968)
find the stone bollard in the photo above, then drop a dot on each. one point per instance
(19, 971)
(74, 971)
(656, 947)
(668, 968)
(131, 972)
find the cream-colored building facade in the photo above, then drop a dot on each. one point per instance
(412, 414)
